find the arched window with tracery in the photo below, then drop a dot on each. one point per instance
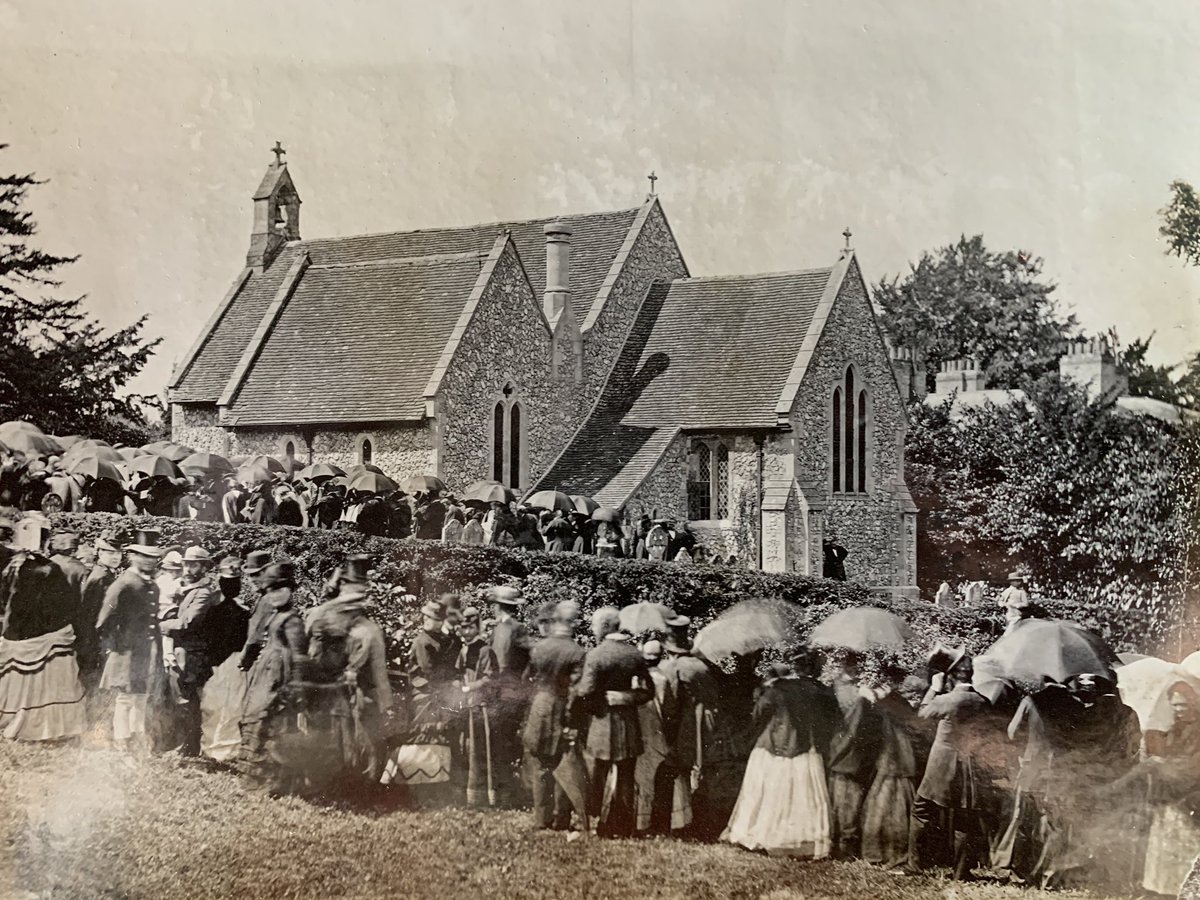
(508, 439)
(850, 444)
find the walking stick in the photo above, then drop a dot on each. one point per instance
(487, 743)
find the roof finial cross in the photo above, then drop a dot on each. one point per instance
(652, 178)
(847, 234)
(279, 152)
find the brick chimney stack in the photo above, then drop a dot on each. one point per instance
(962, 375)
(910, 373)
(557, 298)
(1091, 364)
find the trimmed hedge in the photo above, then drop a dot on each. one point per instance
(427, 569)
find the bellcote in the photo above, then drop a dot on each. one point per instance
(276, 213)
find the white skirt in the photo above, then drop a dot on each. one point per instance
(783, 806)
(41, 698)
(418, 764)
(221, 710)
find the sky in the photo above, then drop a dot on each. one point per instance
(1054, 127)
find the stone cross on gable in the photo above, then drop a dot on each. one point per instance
(652, 178)
(847, 234)
(279, 152)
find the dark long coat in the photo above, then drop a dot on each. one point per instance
(87, 640)
(35, 598)
(128, 625)
(614, 732)
(949, 774)
(555, 666)
(277, 668)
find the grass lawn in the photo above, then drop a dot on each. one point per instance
(86, 823)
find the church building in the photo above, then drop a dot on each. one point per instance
(574, 353)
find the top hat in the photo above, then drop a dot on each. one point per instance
(434, 611)
(196, 553)
(944, 659)
(230, 567)
(146, 543)
(356, 568)
(256, 561)
(64, 540)
(677, 643)
(107, 541)
(280, 572)
(652, 650)
(505, 595)
(29, 532)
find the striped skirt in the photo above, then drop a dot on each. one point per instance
(41, 698)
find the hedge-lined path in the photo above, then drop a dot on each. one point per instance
(87, 823)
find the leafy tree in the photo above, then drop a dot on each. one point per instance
(1145, 379)
(965, 300)
(1093, 502)
(58, 367)
(1181, 223)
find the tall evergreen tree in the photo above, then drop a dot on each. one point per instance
(58, 367)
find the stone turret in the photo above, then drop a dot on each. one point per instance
(962, 375)
(1091, 364)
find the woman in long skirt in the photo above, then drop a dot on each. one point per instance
(889, 800)
(1173, 779)
(476, 665)
(783, 806)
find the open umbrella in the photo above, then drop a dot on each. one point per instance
(1037, 651)
(205, 464)
(861, 628)
(639, 617)
(551, 500)
(27, 438)
(94, 467)
(355, 471)
(606, 514)
(153, 466)
(489, 492)
(1144, 685)
(585, 505)
(743, 628)
(250, 475)
(425, 484)
(320, 471)
(373, 482)
(129, 454)
(83, 449)
(70, 440)
(270, 463)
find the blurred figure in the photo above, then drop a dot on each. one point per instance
(475, 667)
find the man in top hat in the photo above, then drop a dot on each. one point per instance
(346, 645)
(63, 545)
(614, 681)
(128, 624)
(104, 572)
(254, 571)
(41, 698)
(229, 620)
(552, 728)
(511, 642)
(952, 783)
(188, 628)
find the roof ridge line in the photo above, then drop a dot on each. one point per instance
(403, 260)
(821, 270)
(499, 225)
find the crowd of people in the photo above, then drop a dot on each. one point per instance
(826, 753)
(263, 490)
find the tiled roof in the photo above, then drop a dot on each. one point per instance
(206, 377)
(595, 242)
(716, 352)
(356, 343)
(704, 353)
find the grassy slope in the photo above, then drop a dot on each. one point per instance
(85, 823)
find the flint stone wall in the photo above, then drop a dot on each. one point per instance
(867, 525)
(400, 450)
(195, 425)
(507, 340)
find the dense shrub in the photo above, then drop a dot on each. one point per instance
(424, 569)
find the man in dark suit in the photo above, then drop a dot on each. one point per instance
(615, 680)
(63, 545)
(551, 731)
